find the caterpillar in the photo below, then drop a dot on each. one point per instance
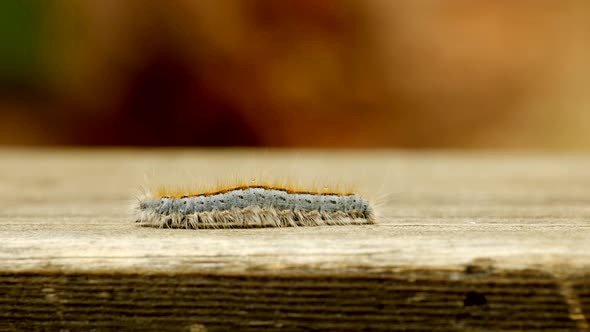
(252, 206)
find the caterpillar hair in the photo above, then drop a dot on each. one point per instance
(251, 206)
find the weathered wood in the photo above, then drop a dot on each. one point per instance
(463, 242)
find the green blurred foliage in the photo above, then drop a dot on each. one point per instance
(20, 43)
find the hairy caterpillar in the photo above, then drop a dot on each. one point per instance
(252, 205)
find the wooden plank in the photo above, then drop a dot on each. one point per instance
(463, 242)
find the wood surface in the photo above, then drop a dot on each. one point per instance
(463, 241)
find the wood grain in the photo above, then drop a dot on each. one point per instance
(463, 242)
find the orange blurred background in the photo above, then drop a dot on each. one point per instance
(303, 73)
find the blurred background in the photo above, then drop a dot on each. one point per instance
(296, 73)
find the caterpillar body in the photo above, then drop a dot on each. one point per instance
(253, 206)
